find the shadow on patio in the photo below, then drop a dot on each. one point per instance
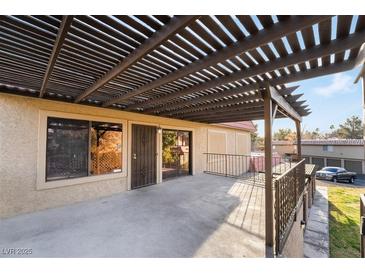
(193, 216)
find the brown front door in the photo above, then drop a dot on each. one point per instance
(143, 156)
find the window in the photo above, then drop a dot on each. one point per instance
(106, 148)
(331, 169)
(328, 148)
(79, 148)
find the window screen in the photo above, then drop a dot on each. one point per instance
(106, 148)
(67, 148)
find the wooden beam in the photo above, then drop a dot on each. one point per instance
(227, 113)
(212, 104)
(235, 116)
(283, 104)
(241, 109)
(274, 112)
(219, 95)
(335, 46)
(230, 119)
(254, 114)
(360, 75)
(294, 77)
(299, 139)
(236, 119)
(222, 110)
(176, 24)
(269, 204)
(249, 43)
(61, 35)
(230, 103)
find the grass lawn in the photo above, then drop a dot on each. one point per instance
(344, 221)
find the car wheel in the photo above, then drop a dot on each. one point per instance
(334, 179)
(352, 180)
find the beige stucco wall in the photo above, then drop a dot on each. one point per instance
(19, 136)
(345, 152)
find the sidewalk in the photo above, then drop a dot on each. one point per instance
(316, 235)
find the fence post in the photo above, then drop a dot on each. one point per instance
(225, 164)
(277, 216)
(206, 163)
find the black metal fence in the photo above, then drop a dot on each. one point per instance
(243, 166)
(289, 188)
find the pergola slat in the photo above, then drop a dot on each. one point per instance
(343, 29)
(263, 37)
(208, 67)
(159, 37)
(336, 46)
(225, 102)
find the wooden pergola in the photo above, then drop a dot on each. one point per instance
(208, 69)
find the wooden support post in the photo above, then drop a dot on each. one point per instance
(363, 100)
(299, 140)
(269, 217)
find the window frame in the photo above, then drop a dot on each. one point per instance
(42, 149)
(327, 148)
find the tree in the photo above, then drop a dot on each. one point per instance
(332, 133)
(285, 134)
(352, 128)
(316, 134)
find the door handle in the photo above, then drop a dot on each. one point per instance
(134, 156)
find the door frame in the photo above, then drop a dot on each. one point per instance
(158, 151)
(192, 142)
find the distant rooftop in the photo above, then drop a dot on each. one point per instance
(350, 142)
(334, 142)
(282, 142)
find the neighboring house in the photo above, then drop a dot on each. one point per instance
(347, 153)
(74, 152)
(284, 148)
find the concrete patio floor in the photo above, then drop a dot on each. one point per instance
(193, 216)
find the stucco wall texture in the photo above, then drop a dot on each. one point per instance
(348, 152)
(19, 125)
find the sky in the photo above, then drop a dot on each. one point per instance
(331, 98)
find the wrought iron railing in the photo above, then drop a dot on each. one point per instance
(289, 188)
(240, 166)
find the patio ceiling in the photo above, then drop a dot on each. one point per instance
(200, 68)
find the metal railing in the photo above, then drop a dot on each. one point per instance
(241, 166)
(362, 225)
(289, 188)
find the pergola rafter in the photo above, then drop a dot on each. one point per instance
(61, 36)
(235, 99)
(173, 66)
(339, 45)
(227, 104)
(263, 37)
(176, 24)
